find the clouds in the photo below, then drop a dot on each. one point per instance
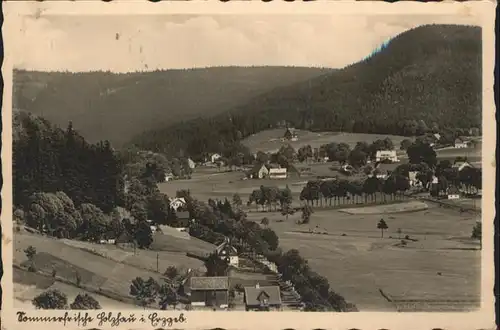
(81, 43)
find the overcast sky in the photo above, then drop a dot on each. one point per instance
(131, 43)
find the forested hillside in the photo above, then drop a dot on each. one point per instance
(115, 107)
(426, 77)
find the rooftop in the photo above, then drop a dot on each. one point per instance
(210, 283)
(271, 293)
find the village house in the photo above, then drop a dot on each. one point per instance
(278, 173)
(169, 177)
(209, 291)
(226, 251)
(152, 226)
(259, 171)
(262, 298)
(461, 143)
(453, 193)
(215, 157)
(176, 203)
(182, 220)
(390, 155)
(347, 168)
(290, 134)
(460, 165)
(125, 240)
(191, 163)
(412, 177)
(382, 171)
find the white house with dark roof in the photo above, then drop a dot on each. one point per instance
(263, 298)
(228, 252)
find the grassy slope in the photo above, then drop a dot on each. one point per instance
(118, 106)
(111, 268)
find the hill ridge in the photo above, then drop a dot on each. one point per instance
(115, 106)
(428, 76)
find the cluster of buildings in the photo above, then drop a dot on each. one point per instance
(214, 291)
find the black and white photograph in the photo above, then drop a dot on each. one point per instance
(241, 161)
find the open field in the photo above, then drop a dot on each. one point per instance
(105, 267)
(269, 140)
(444, 264)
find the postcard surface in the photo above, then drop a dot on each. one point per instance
(185, 165)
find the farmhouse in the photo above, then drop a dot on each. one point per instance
(390, 155)
(278, 173)
(182, 220)
(290, 134)
(169, 177)
(262, 298)
(209, 291)
(228, 252)
(259, 171)
(215, 157)
(461, 143)
(176, 203)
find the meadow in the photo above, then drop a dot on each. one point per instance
(439, 262)
(102, 268)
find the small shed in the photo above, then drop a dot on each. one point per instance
(262, 298)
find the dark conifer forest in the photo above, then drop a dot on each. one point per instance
(431, 74)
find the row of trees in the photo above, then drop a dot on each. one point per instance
(269, 197)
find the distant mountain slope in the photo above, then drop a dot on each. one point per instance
(111, 106)
(431, 73)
